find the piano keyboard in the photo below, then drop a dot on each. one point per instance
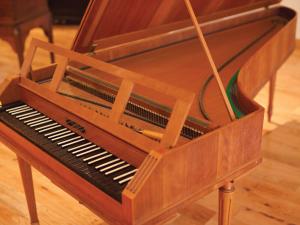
(94, 163)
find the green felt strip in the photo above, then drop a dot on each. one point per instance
(231, 91)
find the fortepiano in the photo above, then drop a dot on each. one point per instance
(151, 109)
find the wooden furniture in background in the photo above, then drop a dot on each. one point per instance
(162, 46)
(67, 11)
(18, 17)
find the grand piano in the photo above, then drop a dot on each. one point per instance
(152, 108)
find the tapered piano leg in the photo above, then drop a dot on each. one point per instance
(26, 175)
(271, 96)
(225, 203)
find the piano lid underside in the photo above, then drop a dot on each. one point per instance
(184, 64)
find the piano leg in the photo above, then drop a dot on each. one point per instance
(271, 96)
(225, 203)
(26, 175)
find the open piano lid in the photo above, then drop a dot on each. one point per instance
(109, 24)
(107, 18)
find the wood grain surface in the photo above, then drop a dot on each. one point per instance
(268, 196)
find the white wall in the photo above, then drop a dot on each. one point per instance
(295, 4)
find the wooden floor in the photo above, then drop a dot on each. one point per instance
(270, 195)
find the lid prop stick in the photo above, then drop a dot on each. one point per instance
(209, 57)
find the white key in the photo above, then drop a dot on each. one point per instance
(104, 155)
(66, 141)
(20, 111)
(107, 163)
(79, 146)
(74, 142)
(26, 114)
(34, 119)
(125, 180)
(112, 166)
(16, 108)
(95, 156)
(55, 132)
(30, 116)
(117, 169)
(88, 152)
(46, 126)
(58, 134)
(49, 128)
(83, 149)
(41, 123)
(125, 174)
(63, 136)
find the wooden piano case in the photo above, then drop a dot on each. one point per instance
(145, 52)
